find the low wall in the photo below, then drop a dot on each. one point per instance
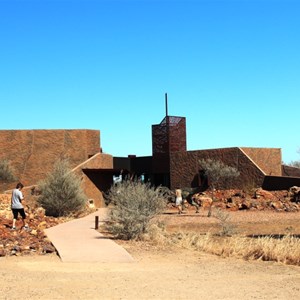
(277, 183)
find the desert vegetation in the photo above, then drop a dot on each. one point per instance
(133, 205)
(61, 193)
(268, 248)
(6, 171)
(219, 175)
(137, 216)
(279, 248)
(295, 164)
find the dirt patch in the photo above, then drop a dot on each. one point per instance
(161, 273)
(177, 274)
(244, 222)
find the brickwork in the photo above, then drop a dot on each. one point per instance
(169, 135)
(99, 161)
(32, 153)
(268, 159)
(290, 171)
(185, 166)
(177, 134)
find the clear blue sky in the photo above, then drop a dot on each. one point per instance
(232, 68)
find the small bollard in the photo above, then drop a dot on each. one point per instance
(96, 222)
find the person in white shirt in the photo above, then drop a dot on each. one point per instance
(17, 207)
(118, 179)
(178, 200)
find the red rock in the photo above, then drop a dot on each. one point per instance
(2, 252)
(262, 193)
(277, 205)
(48, 248)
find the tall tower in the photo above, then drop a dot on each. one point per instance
(167, 137)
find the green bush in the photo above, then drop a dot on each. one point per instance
(61, 193)
(134, 205)
(6, 171)
(219, 174)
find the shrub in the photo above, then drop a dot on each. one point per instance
(61, 193)
(295, 164)
(227, 228)
(6, 171)
(134, 205)
(219, 175)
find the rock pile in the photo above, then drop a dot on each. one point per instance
(257, 199)
(29, 241)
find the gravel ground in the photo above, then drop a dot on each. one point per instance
(246, 222)
(159, 274)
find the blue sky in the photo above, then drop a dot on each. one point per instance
(232, 68)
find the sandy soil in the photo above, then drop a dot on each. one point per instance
(155, 274)
(176, 275)
(245, 222)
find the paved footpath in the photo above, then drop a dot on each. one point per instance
(78, 241)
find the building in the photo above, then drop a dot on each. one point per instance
(33, 153)
(172, 165)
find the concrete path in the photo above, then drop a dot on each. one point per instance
(78, 241)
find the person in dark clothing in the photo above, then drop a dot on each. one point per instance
(203, 180)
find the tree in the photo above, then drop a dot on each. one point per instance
(61, 192)
(219, 175)
(6, 171)
(134, 205)
(295, 164)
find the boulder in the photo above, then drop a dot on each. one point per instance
(2, 252)
(294, 193)
(260, 193)
(203, 200)
(277, 205)
(246, 204)
(48, 248)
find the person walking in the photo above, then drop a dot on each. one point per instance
(178, 200)
(17, 207)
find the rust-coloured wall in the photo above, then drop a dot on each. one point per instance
(290, 171)
(169, 135)
(185, 166)
(99, 161)
(268, 159)
(32, 153)
(177, 134)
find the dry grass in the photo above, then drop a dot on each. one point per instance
(284, 249)
(259, 235)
